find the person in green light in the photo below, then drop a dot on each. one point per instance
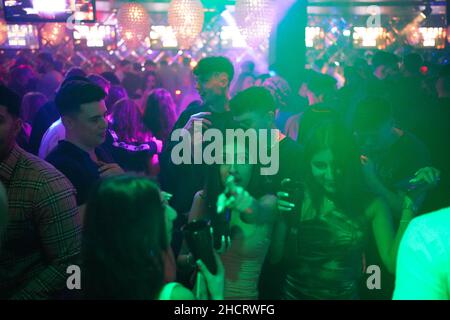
(240, 210)
(423, 265)
(321, 239)
(127, 231)
(396, 163)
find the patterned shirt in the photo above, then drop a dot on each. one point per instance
(43, 236)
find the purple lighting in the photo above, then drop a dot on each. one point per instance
(49, 6)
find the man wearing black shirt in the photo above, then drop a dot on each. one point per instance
(434, 131)
(213, 75)
(391, 156)
(395, 164)
(254, 108)
(83, 112)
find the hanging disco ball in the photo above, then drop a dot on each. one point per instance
(255, 19)
(186, 18)
(53, 33)
(134, 24)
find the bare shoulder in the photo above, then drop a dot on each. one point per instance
(377, 206)
(199, 199)
(182, 293)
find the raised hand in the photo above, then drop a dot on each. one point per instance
(198, 118)
(428, 175)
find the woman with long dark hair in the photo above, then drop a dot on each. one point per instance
(235, 203)
(134, 146)
(126, 236)
(159, 113)
(321, 239)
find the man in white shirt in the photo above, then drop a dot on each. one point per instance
(52, 136)
(423, 262)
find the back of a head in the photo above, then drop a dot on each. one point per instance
(211, 65)
(73, 93)
(21, 74)
(159, 114)
(111, 77)
(75, 72)
(100, 81)
(412, 63)
(322, 84)
(116, 92)
(31, 103)
(371, 113)
(383, 58)
(254, 99)
(127, 120)
(123, 240)
(10, 100)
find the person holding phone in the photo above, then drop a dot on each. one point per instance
(322, 240)
(242, 216)
(213, 78)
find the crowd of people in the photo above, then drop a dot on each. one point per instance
(88, 178)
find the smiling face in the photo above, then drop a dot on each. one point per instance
(324, 171)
